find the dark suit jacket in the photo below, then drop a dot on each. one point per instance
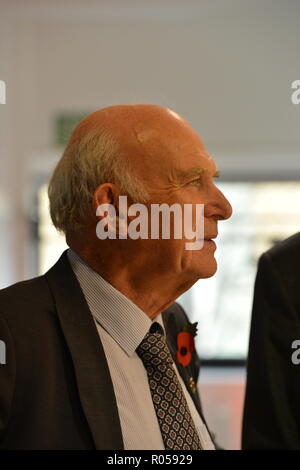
(272, 403)
(55, 388)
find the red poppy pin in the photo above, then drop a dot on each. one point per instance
(186, 343)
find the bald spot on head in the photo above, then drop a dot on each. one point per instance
(155, 140)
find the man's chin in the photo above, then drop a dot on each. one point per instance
(208, 275)
(208, 270)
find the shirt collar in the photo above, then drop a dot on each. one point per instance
(123, 320)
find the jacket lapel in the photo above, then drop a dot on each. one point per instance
(91, 369)
(173, 326)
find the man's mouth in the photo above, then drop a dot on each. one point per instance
(210, 239)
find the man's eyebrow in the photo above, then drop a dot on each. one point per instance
(183, 176)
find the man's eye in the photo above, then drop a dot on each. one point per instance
(197, 182)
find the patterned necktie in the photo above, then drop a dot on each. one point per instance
(174, 417)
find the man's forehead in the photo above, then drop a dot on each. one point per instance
(171, 147)
(197, 163)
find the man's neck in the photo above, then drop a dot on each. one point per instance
(151, 293)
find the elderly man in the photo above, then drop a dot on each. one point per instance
(92, 345)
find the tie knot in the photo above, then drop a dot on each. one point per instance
(156, 328)
(153, 349)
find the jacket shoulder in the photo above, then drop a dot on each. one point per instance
(288, 249)
(283, 260)
(25, 298)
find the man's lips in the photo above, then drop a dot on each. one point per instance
(209, 239)
(210, 244)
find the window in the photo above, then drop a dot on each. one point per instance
(263, 214)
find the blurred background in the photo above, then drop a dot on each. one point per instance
(227, 67)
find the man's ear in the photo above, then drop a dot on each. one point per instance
(106, 206)
(107, 225)
(106, 193)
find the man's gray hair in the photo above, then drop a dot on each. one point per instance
(91, 158)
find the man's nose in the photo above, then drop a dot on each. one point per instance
(219, 207)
